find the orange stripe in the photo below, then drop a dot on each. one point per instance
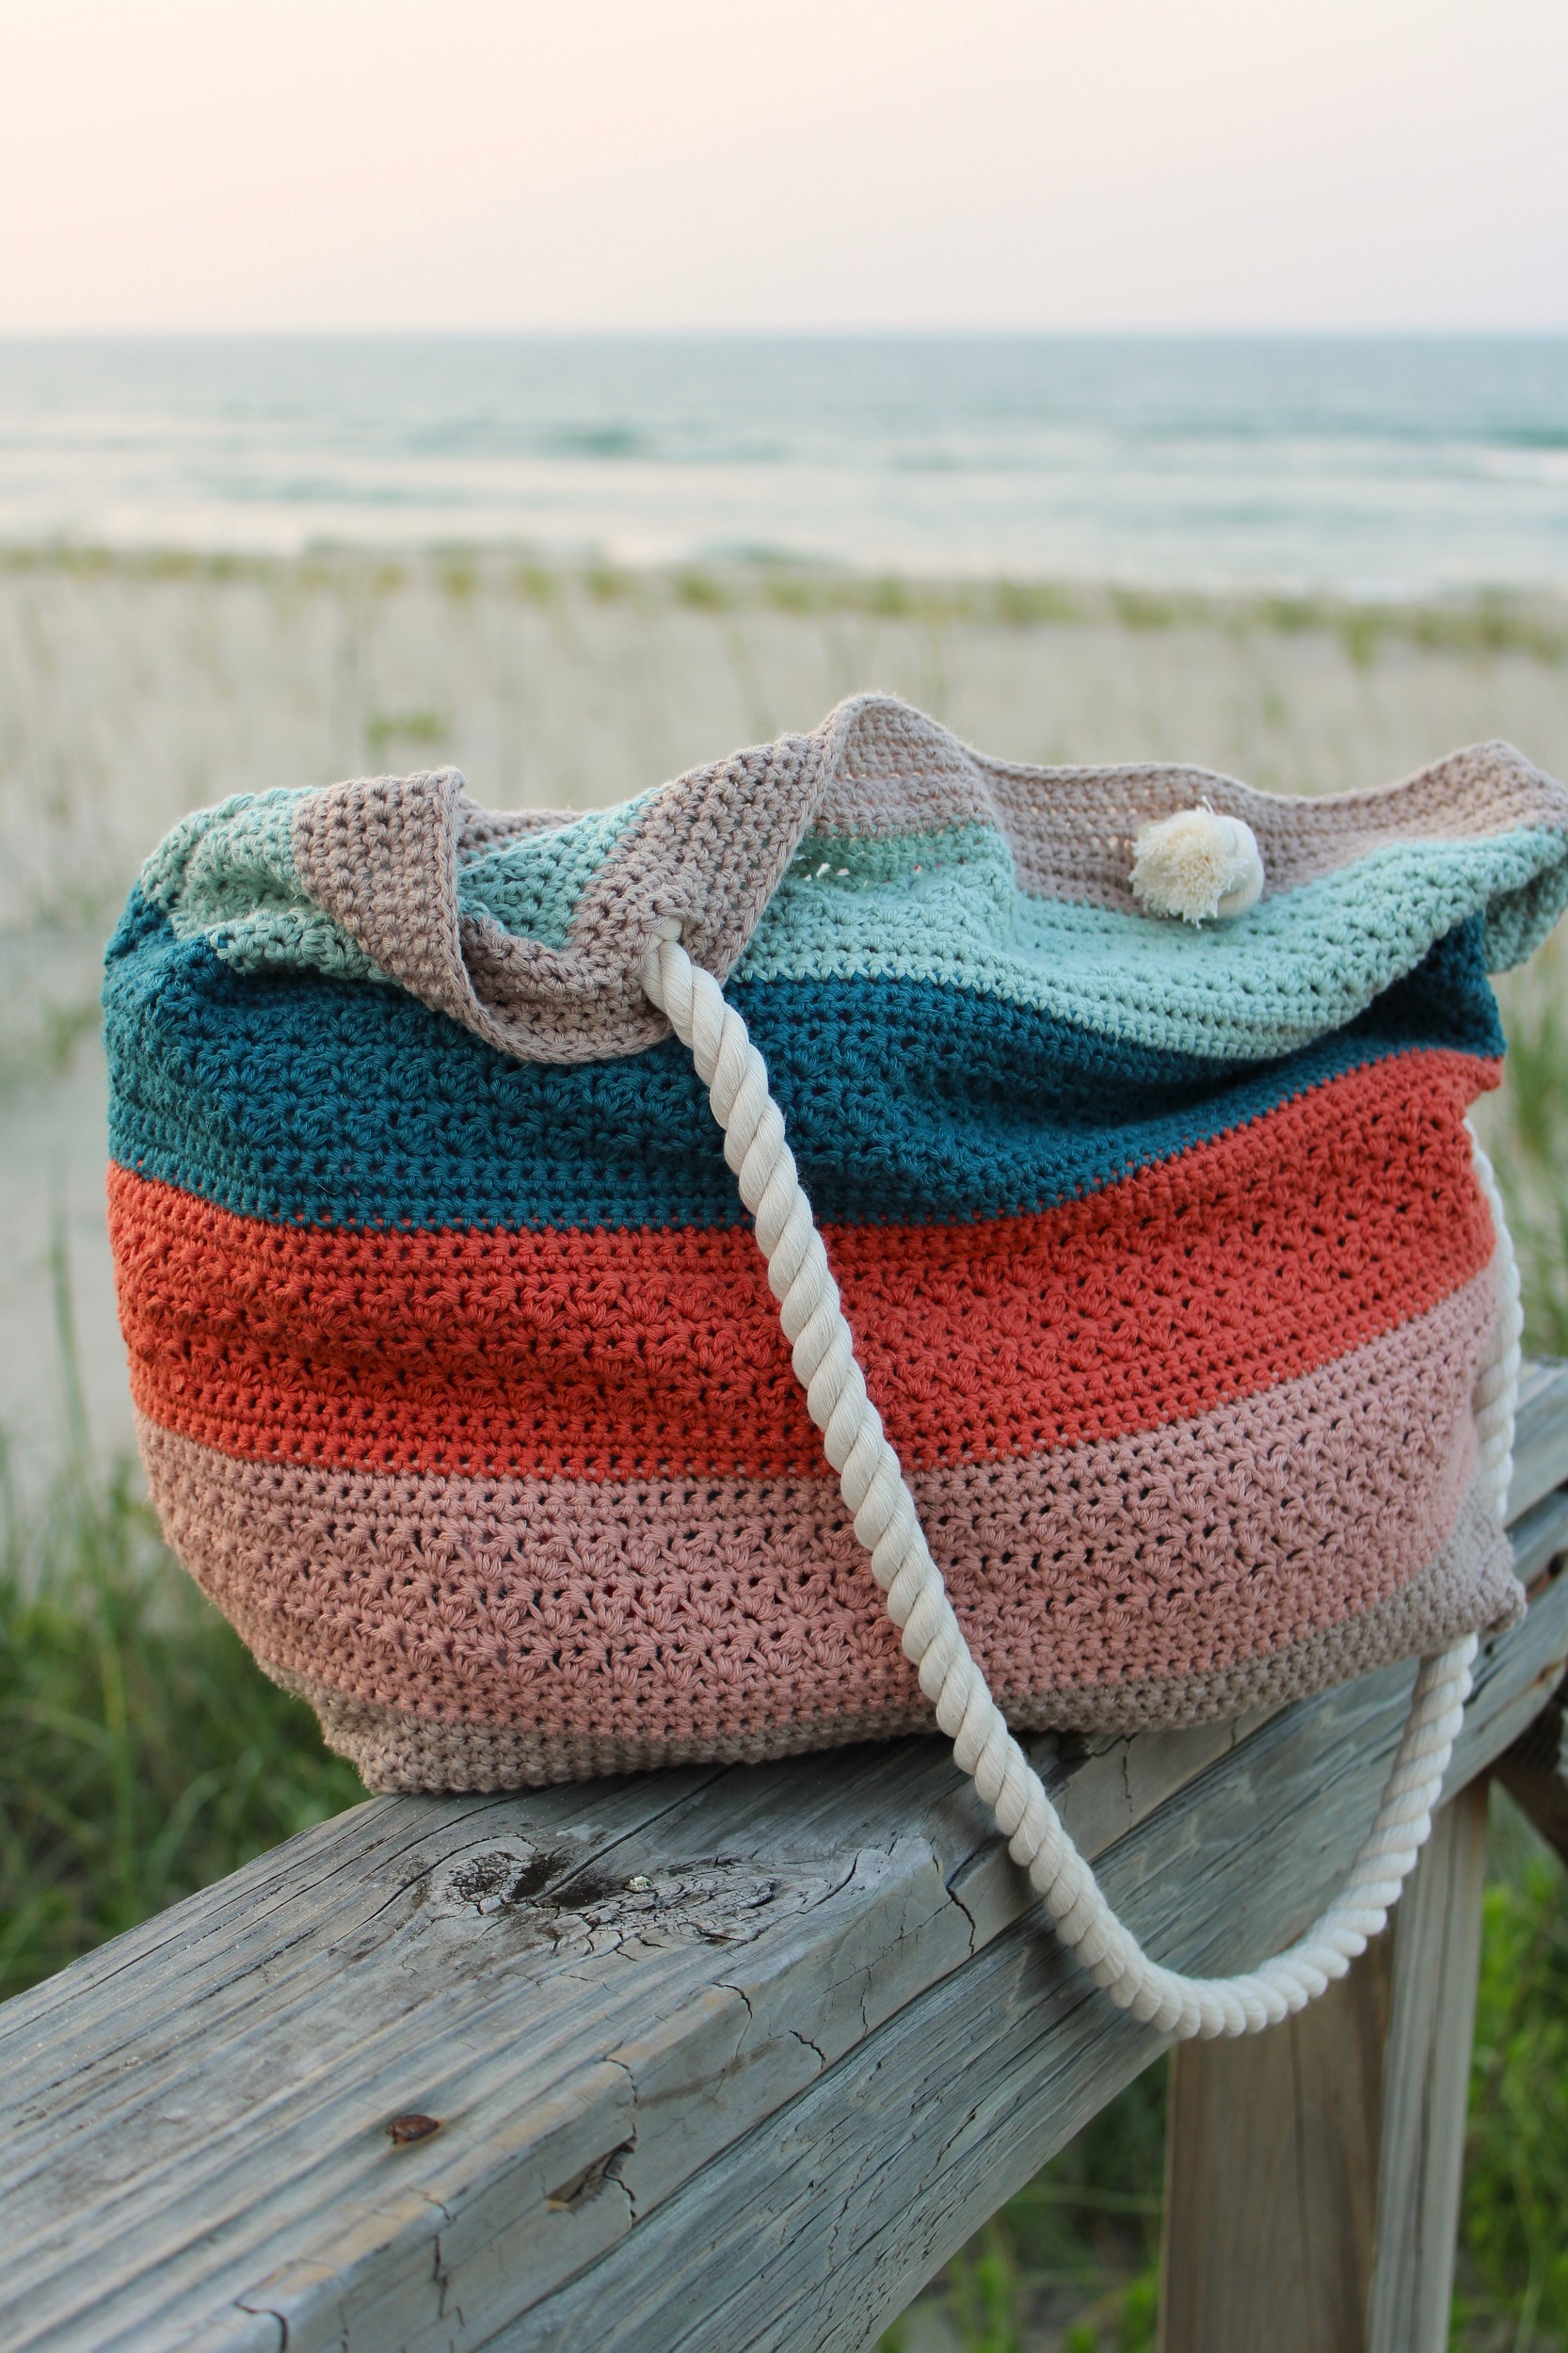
(640, 1354)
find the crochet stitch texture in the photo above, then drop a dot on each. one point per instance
(459, 1382)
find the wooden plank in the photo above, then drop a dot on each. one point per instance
(608, 1995)
(1272, 2178)
(1273, 2145)
(1534, 1770)
(1427, 2081)
(215, 2085)
(1541, 1536)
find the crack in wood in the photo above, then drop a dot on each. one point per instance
(593, 2178)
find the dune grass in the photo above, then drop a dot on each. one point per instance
(142, 1753)
(142, 1756)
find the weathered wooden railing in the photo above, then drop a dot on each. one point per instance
(728, 2059)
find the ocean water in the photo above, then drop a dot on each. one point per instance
(1392, 467)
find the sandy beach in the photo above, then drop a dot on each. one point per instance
(132, 689)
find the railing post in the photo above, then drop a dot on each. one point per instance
(1271, 2178)
(1313, 2173)
(1427, 2080)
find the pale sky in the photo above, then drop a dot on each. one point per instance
(504, 164)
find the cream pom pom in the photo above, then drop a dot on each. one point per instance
(1197, 864)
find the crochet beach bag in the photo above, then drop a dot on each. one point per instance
(1045, 1276)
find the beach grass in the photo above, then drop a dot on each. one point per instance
(142, 1753)
(1525, 1129)
(1486, 622)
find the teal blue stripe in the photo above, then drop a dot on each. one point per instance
(301, 1100)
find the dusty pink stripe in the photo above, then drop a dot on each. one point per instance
(1470, 1585)
(683, 1611)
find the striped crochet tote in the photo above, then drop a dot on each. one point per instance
(486, 1337)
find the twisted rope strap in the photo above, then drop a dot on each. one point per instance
(885, 1522)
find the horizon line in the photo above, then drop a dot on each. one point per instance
(882, 333)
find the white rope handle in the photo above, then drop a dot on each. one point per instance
(874, 1487)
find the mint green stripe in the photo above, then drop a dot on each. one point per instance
(1297, 966)
(941, 905)
(532, 886)
(229, 873)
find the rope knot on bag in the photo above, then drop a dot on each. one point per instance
(887, 1524)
